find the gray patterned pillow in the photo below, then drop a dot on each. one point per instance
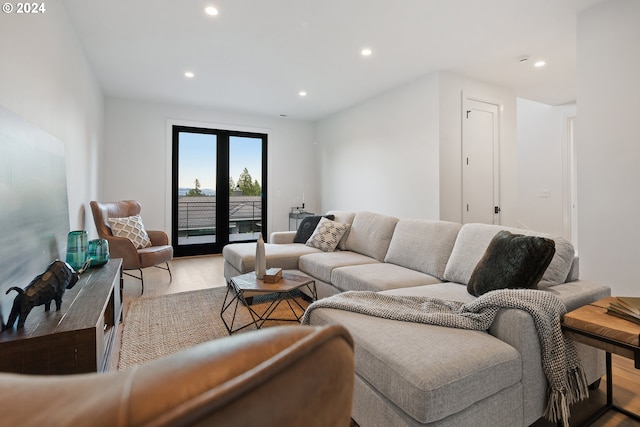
(130, 227)
(327, 235)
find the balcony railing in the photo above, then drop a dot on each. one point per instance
(197, 218)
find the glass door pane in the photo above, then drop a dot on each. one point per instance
(219, 191)
(246, 189)
(197, 155)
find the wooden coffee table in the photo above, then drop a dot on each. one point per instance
(283, 292)
(591, 325)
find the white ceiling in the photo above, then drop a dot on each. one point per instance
(256, 55)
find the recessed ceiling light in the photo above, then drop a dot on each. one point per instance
(539, 64)
(189, 75)
(366, 52)
(210, 10)
(302, 93)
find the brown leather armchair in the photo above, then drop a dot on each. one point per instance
(160, 252)
(279, 376)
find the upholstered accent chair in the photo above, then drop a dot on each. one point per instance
(290, 376)
(157, 252)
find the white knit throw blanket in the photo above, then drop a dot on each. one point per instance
(560, 362)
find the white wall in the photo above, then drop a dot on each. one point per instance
(46, 79)
(543, 167)
(136, 161)
(382, 155)
(608, 92)
(400, 152)
(452, 88)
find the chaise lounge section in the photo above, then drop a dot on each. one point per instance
(410, 374)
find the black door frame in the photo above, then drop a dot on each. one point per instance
(222, 188)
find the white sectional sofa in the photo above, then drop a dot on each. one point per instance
(410, 374)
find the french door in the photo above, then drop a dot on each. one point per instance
(219, 190)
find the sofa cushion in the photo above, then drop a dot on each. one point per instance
(344, 217)
(320, 265)
(370, 234)
(423, 245)
(378, 277)
(444, 290)
(516, 328)
(429, 382)
(511, 261)
(242, 256)
(327, 235)
(576, 294)
(282, 237)
(307, 227)
(574, 272)
(473, 240)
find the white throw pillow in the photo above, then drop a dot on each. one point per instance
(132, 228)
(327, 235)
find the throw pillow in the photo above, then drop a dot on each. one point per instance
(327, 235)
(132, 228)
(511, 261)
(307, 227)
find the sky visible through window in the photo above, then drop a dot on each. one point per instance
(197, 159)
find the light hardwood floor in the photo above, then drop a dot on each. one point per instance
(626, 394)
(191, 273)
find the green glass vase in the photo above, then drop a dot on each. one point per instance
(77, 249)
(98, 252)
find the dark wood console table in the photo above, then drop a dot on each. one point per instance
(78, 338)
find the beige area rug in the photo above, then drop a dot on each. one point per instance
(161, 325)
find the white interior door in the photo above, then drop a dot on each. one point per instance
(480, 162)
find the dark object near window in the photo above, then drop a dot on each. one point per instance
(307, 227)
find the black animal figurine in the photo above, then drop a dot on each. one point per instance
(46, 287)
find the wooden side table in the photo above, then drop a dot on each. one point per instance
(591, 325)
